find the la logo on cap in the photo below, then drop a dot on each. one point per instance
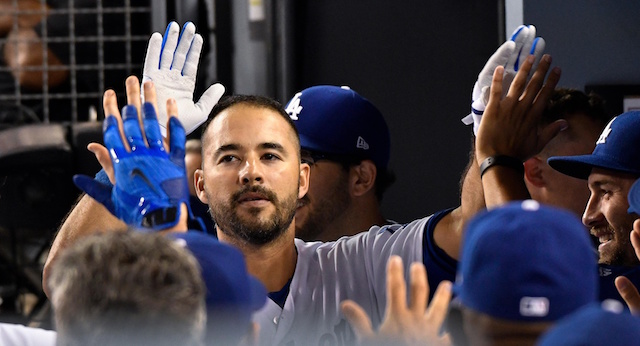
(605, 133)
(534, 306)
(294, 108)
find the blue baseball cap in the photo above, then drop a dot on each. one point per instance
(526, 262)
(595, 325)
(617, 148)
(337, 120)
(224, 271)
(634, 198)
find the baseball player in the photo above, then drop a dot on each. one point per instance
(345, 140)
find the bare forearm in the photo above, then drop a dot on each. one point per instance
(503, 184)
(87, 217)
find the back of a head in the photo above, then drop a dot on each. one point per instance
(595, 325)
(127, 288)
(233, 295)
(525, 262)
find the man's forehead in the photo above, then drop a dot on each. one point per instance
(600, 175)
(248, 123)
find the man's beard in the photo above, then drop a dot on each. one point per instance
(322, 213)
(253, 230)
(620, 252)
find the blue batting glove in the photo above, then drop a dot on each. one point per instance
(151, 184)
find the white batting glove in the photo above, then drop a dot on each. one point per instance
(510, 54)
(172, 64)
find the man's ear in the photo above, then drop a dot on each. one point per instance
(362, 177)
(533, 171)
(303, 187)
(198, 181)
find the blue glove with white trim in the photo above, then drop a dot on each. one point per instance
(511, 54)
(150, 183)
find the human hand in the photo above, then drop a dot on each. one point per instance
(404, 324)
(172, 64)
(511, 125)
(511, 55)
(150, 183)
(625, 287)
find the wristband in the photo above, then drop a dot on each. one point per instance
(501, 160)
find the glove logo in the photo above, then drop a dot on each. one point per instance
(294, 108)
(136, 172)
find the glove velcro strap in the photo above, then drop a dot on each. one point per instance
(161, 218)
(501, 160)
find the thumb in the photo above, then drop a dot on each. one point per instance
(550, 131)
(97, 190)
(629, 293)
(358, 319)
(209, 98)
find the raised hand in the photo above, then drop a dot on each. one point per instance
(510, 55)
(150, 184)
(172, 64)
(511, 125)
(404, 324)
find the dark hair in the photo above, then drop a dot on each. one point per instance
(566, 101)
(250, 100)
(127, 288)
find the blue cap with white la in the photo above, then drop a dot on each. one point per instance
(617, 149)
(526, 262)
(337, 120)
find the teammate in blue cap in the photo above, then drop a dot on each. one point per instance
(345, 140)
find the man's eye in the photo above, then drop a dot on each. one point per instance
(227, 158)
(270, 157)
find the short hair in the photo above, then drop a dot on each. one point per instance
(253, 101)
(565, 101)
(129, 288)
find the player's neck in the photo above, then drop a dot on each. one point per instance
(273, 263)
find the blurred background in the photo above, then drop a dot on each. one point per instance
(415, 60)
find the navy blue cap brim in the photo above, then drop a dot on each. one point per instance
(634, 198)
(580, 166)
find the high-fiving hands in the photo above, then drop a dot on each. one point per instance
(404, 324)
(150, 185)
(511, 56)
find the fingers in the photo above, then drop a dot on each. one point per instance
(545, 94)
(437, 310)
(152, 59)
(150, 95)
(629, 293)
(112, 136)
(358, 319)
(102, 155)
(419, 289)
(520, 81)
(209, 98)
(132, 128)
(170, 40)
(193, 57)
(184, 43)
(535, 84)
(495, 93)
(635, 237)
(396, 286)
(177, 135)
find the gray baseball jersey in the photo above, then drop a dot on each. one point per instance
(328, 273)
